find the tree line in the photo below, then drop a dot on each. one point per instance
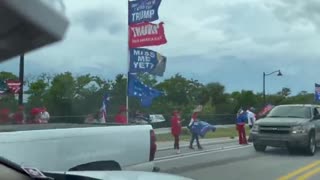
(70, 97)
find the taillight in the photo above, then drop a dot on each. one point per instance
(153, 145)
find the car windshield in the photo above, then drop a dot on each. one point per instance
(176, 86)
(290, 111)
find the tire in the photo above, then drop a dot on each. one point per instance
(259, 148)
(312, 146)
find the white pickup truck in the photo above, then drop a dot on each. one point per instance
(71, 147)
(32, 24)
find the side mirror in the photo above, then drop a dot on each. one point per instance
(12, 171)
(316, 117)
(29, 25)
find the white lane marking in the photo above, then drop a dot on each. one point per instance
(206, 143)
(194, 154)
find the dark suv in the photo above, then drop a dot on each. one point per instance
(291, 126)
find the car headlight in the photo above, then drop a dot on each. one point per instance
(298, 129)
(255, 128)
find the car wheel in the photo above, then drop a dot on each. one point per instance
(259, 148)
(312, 147)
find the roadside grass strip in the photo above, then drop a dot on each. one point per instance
(303, 173)
(230, 132)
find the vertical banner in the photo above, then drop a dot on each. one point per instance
(143, 11)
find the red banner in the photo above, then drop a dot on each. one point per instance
(146, 34)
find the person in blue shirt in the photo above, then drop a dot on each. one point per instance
(241, 122)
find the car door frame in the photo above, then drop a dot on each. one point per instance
(317, 124)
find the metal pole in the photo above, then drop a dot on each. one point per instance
(21, 79)
(264, 88)
(128, 59)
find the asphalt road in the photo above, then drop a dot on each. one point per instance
(168, 130)
(231, 161)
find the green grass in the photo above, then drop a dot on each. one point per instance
(219, 133)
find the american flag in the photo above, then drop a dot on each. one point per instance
(317, 92)
(14, 86)
(103, 109)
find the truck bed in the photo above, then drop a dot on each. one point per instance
(30, 127)
(61, 147)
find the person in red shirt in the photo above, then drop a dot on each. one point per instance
(176, 129)
(36, 115)
(19, 116)
(121, 117)
(4, 116)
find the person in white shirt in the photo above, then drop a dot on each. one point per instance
(45, 116)
(251, 117)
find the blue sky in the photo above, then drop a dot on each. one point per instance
(231, 42)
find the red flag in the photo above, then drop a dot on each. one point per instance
(265, 110)
(146, 34)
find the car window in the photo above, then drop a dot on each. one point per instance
(318, 110)
(315, 112)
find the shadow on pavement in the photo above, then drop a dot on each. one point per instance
(284, 152)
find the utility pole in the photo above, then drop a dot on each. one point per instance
(21, 79)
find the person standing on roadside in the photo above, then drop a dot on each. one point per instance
(251, 117)
(45, 116)
(241, 122)
(121, 117)
(176, 129)
(4, 116)
(20, 116)
(193, 122)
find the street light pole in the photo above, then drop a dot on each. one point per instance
(264, 83)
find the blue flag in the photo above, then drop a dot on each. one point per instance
(201, 128)
(145, 60)
(3, 87)
(145, 93)
(317, 92)
(143, 11)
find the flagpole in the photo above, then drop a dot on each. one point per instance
(128, 59)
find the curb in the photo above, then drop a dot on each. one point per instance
(206, 143)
